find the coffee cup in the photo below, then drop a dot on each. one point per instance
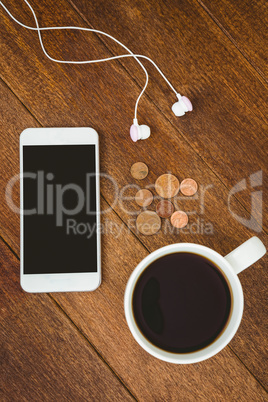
(184, 302)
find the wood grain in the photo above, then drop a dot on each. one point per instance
(245, 23)
(228, 94)
(223, 376)
(14, 119)
(214, 145)
(100, 317)
(42, 355)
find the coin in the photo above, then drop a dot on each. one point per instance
(139, 170)
(167, 185)
(144, 198)
(148, 222)
(179, 219)
(188, 187)
(164, 208)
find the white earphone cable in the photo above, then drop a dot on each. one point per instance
(136, 56)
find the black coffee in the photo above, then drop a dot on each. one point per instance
(181, 302)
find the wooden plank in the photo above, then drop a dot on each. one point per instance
(229, 96)
(227, 152)
(69, 99)
(245, 23)
(100, 316)
(14, 119)
(42, 355)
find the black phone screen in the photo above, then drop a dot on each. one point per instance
(59, 209)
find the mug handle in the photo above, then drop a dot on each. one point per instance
(246, 254)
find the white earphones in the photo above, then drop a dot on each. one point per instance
(137, 132)
(179, 108)
(182, 106)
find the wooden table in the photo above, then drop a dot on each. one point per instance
(77, 346)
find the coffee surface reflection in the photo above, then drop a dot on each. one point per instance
(181, 302)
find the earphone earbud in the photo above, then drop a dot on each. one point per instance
(138, 132)
(179, 108)
(182, 106)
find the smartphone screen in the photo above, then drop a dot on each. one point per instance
(59, 205)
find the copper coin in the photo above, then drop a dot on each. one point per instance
(179, 219)
(139, 170)
(164, 208)
(148, 222)
(144, 198)
(188, 187)
(167, 185)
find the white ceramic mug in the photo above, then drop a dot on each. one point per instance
(233, 263)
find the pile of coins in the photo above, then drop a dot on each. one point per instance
(167, 186)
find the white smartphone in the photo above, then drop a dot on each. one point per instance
(60, 210)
